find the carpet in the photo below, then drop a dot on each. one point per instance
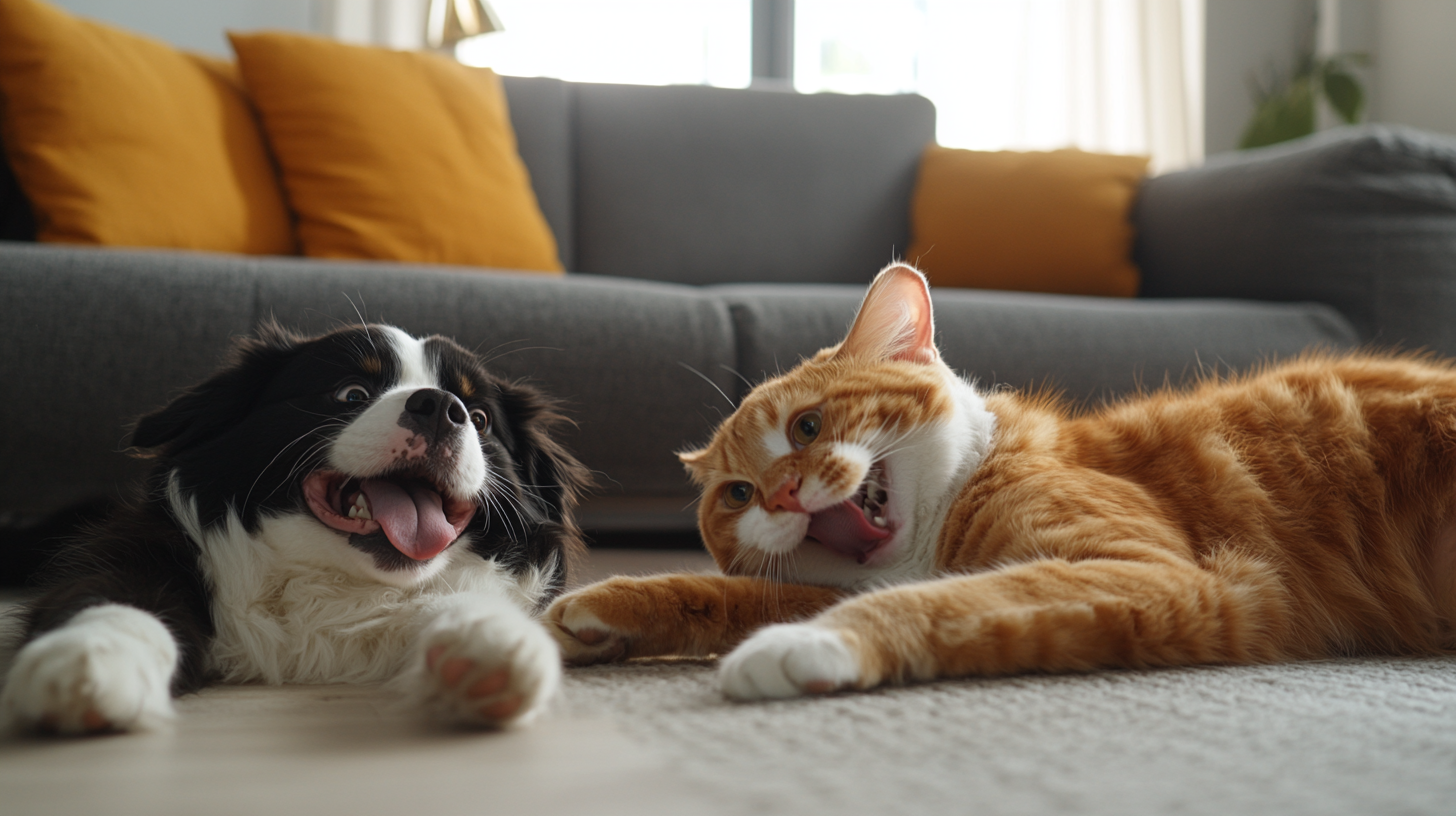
(1360, 736)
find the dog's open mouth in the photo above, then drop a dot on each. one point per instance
(417, 517)
(859, 525)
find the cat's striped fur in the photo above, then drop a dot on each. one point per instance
(1303, 510)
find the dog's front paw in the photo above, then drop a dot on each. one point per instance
(491, 668)
(789, 660)
(108, 669)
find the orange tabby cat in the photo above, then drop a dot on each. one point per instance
(917, 528)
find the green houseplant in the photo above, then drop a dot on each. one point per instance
(1285, 110)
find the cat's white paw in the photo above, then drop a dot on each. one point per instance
(490, 666)
(788, 660)
(108, 669)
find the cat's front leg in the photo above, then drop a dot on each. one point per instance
(482, 661)
(692, 615)
(1049, 615)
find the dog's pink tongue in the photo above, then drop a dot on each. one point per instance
(844, 529)
(413, 518)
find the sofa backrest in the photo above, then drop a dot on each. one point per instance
(705, 185)
(709, 185)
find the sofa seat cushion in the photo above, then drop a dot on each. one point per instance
(620, 354)
(1089, 348)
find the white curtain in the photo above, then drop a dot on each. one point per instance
(390, 23)
(1121, 76)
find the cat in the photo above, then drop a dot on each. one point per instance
(880, 520)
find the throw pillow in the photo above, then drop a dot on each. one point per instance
(395, 155)
(121, 140)
(1034, 222)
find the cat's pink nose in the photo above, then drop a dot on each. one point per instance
(787, 496)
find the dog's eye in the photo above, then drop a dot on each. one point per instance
(737, 494)
(352, 393)
(480, 420)
(805, 428)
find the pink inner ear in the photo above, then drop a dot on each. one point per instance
(895, 322)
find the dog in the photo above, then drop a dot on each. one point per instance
(357, 507)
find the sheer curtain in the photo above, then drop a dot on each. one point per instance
(1121, 76)
(392, 23)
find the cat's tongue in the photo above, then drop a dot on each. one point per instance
(412, 516)
(844, 529)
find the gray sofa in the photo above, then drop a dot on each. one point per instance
(716, 236)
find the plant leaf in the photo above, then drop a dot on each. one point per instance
(1345, 95)
(1282, 117)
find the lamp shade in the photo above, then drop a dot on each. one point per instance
(450, 21)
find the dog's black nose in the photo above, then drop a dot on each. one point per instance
(432, 407)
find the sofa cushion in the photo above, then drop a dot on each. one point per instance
(619, 353)
(1088, 348)
(93, 339)
(710, 185)
(1055, 221)
(395, 155)
(1361, 218)
(121, 140)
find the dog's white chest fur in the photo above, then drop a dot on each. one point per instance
(286, 612)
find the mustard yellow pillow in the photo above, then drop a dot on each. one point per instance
(121, 140)
(395, 155)
(1033, 222)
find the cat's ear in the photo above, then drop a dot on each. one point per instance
(691, 457)
(895, 321)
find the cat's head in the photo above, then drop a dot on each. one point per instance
(833, 472)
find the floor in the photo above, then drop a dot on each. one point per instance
(1347, 737)
(348, 750)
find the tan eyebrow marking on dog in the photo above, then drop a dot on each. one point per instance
(467, 388)
(371, 365)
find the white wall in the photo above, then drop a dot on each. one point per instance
(1243, 39)
(1412, 43)
(1415, 69)
(199, 25)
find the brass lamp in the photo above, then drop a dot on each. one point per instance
(450, 21)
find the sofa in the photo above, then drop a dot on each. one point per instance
(714, 237)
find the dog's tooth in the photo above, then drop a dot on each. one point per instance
(879, 521)
(353, 511)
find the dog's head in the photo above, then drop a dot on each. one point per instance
(404, 450)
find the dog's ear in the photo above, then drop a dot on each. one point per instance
(557, 480)
(209, 408)
(554, 480)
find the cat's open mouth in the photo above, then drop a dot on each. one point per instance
(858, 526)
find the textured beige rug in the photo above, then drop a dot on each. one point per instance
(1374, 736)
(1339, 737)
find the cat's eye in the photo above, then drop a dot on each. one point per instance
(480, 420)
(352, 393)
(737, 494)
(805, 427)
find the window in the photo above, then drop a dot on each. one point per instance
(1120, 76)
(643, 42)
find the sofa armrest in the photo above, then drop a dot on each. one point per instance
(1362, 218)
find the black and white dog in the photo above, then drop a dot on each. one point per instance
(357, 507)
